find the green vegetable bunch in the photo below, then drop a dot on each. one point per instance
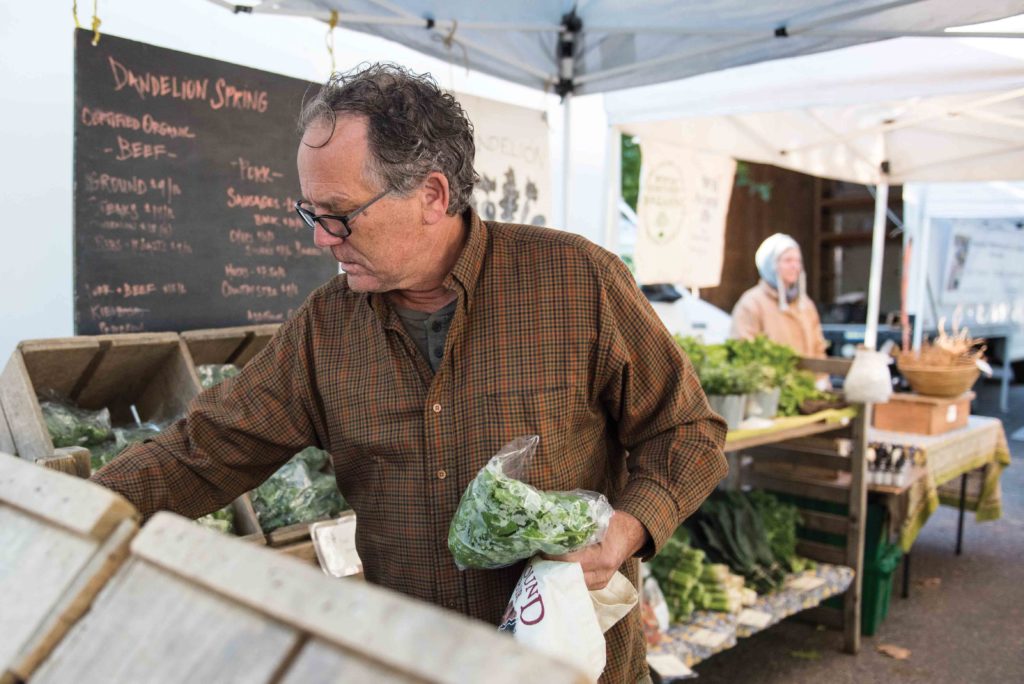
(72, 426)
(298, 492)
(222, 520)
(780, 521)
(798, 387)
(501, 519)
(729, 529)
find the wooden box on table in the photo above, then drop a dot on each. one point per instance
(227, 345)
(923, 415)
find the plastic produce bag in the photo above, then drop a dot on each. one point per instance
(102, 454)
(71, 426)
(552, 612)
(211, 374)
(868, 379)
(501, 519)
(297, 493)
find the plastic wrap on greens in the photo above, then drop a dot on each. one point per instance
(501, 520)
(211, 374)
(297, 493)
(222, 520)
(71, 426)
(102, 454)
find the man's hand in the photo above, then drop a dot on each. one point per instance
(625, 536)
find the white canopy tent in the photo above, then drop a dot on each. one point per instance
(577, 47)
(893, 112)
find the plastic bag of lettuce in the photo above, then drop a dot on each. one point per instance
(298, 492)
(501, 519)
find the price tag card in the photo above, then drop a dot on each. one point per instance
(669, 666)
(707, 638)
(806, 583)
(754, 618)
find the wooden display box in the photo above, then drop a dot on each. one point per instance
(153, 371)
(922, 415)
(227, 345)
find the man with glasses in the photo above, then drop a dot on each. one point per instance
(445, 338)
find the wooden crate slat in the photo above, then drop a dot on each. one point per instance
(21, 407)
(836, 555)
(823, 522)
(76, 505)
(6, 439)
(782, 454)
(71, 460)
(52, 619)
(246, 521)
(351, 615)
(235, 345)
(321, 663)
(835, 493)
(831, 365)
(159, 628)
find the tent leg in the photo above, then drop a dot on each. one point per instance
(924, 261)
(877, 254)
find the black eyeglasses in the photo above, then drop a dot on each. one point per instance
(330, 222)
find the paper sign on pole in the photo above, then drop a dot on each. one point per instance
(512, 161)
(684, 200)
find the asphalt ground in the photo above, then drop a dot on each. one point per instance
(963, 621)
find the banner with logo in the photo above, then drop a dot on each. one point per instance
(512, 160)
(683, 203)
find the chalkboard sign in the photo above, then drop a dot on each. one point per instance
(185, 181)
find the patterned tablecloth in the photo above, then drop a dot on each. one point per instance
(980, 444)
(707, 632)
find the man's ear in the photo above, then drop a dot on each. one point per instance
(436, 196)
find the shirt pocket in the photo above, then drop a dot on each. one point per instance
(548, 413)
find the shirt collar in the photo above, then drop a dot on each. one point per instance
(464, 274)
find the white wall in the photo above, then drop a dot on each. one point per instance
(36, 91)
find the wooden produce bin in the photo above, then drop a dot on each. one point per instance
(227, 345)
(153, 371)
(61, 538)
(923, 415)
(191, 605)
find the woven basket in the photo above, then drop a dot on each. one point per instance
(940, 382)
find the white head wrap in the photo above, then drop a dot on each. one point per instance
(767, 260)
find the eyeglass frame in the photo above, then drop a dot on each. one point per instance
(313, 220)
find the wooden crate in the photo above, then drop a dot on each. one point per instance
(6, 439)
(61, 538)
(919, 414)
(148, 370)
(227, 345)
(190, 605)
(153, 371)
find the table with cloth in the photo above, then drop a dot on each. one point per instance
(979, 445)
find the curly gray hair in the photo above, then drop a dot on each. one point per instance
(414, 128)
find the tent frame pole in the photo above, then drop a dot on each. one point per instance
(877, 256)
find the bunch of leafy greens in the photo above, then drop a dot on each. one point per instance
(72, 426)
(743, 366)
(501, 520)
(780, 521)
(298, 492)
(729, 529)
(222, 520)
(104, 453)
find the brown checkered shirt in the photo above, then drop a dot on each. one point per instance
(551, 337)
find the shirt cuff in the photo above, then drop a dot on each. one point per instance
(656, 509)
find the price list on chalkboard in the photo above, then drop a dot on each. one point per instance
(185, 183)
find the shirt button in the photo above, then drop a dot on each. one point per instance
(437, 408)
(441, 474)
(438, 352)
(436, 326)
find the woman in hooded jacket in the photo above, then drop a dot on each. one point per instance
(778, 306)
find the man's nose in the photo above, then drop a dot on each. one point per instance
(323, 239)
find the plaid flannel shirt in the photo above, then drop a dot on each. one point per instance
(551, 336)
